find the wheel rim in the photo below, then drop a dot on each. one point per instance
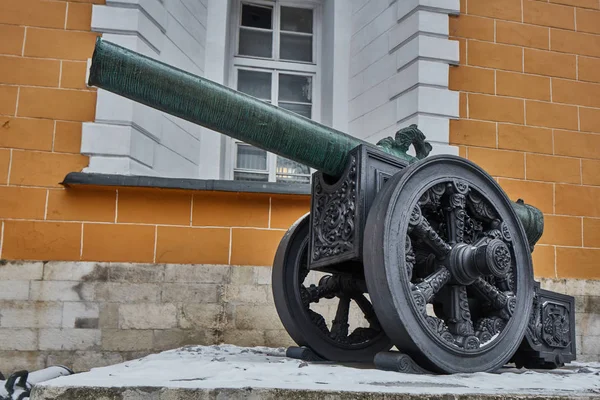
(457, 292)
(296, 292)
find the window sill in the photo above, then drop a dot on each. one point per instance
(91, 179)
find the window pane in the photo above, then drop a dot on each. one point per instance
(291, 171)
(249, 176)
(250, 157)
(295, 47)
(302, 109)
(285, 166)
(293, 179)
(295, 88)
(255, 83)
(257, 16)
(296, 19)
(256, 43)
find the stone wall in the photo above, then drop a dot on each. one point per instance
(91, 314)
(86, 315)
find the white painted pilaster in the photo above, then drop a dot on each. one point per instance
(411, 72)
(127, 137)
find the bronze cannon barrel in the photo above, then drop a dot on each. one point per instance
(217, 107)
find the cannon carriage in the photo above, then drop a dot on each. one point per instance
(428, 251)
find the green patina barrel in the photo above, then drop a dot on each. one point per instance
(219, 108)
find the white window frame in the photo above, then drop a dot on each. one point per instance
(275, 67)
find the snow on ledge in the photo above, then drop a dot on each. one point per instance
(227, 366)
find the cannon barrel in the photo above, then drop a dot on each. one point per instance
(217, 107)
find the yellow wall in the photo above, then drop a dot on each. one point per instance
(529, 78)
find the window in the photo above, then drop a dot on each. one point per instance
(275, 60)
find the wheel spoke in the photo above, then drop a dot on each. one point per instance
(456, 215)
(480, 207)
(490, 293)
(433, 283)
(422, 229)
(503, 303)
(367, 309)
(431, 197)
(339, 327)
(487, 328)
(460, 322)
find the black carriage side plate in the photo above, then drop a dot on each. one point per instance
(550, 339)
(339, 208)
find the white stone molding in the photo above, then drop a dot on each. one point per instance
(129, 138)
(408, 82)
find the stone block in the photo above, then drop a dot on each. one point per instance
(201, 316)
(18, 360)
(69, 339)
(189, 292)
(197, 273)
(61, 291)
(29, 314)
(278, 338)
(242, 275)
(356, 318)
(18, 339)
(128, 292)
(327, 308)
(109, 315)
(75, 315)
(578, 340)
(14, 290)
(580, 302)
(147, 316)
(582, 287)
(590, 345)
(592, 304)
(587, 324)
(75, 271)
(246, 338)
(20, 271)
(270, 299)
(263, 275)
(136, 273)
(587, 358)
(80, 361)
(186, 394)
(126, 340)
(175, 338)
(555, 285)
(262, 317)
(247, 294)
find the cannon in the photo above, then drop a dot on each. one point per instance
(424, 253)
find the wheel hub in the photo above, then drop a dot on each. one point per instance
(466, 263)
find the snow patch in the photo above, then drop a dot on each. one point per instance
(228, 366)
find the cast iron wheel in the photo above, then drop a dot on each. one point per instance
(307, 327)
(448, 266)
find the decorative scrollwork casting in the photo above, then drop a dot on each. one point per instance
(334, 216)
